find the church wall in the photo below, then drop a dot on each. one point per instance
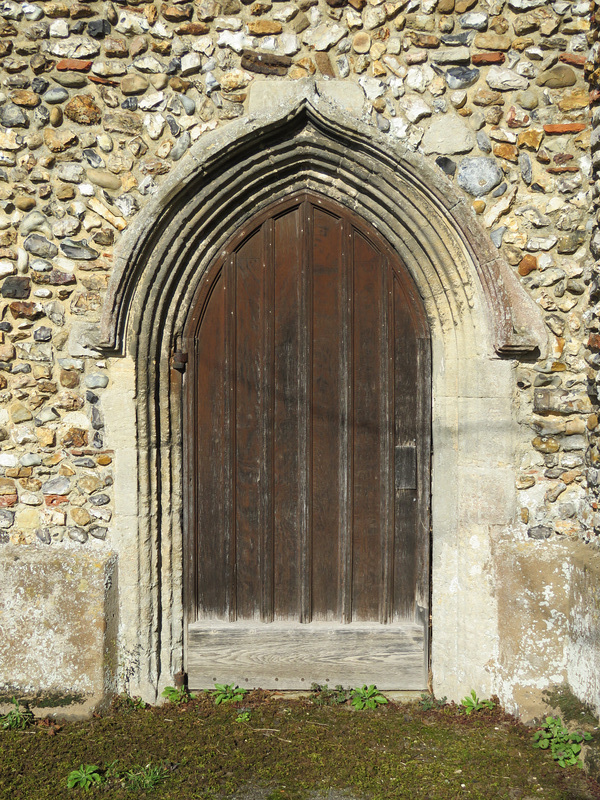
(101, 103)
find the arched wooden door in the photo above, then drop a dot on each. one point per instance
(308, 456)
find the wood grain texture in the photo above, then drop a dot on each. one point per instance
(369, 394)
(211, 567)
(288, 467)
(406, 451)
(327, 466)
(309, 461)
(250, 389)
(294, 656)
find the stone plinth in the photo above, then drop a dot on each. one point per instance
(584, 627)
(58, 623)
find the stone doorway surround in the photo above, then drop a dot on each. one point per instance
(309, 135)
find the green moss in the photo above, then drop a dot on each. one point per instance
(42, 699)
(571, 708)
(291, 751)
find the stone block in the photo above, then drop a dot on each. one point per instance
(583, 669)
(486, 493)
(58, 617)
(83, 340)
(487, 432)
(448, 135)
(533, 612)
(347, 96)
(268, 94)
(553, 401)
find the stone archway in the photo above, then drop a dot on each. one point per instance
(476, 311)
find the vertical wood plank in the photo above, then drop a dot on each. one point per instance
(211, 455)
(250, 368)
(326, 405)
(387, 446)
(190, 493)
(367, 376)
(423, 433)
(229, 493)
(304, 388)
(287, 429)
(346, 433)
(406, 416)
(266, 465)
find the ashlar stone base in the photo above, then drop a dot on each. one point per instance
(58, 626)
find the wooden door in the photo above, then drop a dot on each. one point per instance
(308, 456)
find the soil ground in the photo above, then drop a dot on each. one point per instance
(265, 748)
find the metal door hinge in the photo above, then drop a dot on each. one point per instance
(181, 680)
(179, 360)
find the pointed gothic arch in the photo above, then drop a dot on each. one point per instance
(477, 312)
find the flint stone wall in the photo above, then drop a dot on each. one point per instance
(99, 102)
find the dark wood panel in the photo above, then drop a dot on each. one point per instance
(369, 303)
(422, 572)
(311, 390)
(211, 468)
(327, 470)
(294, 656)
(250, 314)
(287, 477)
(304, 443)
(266, 466)
(405, 453)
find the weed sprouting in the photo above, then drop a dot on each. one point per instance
(226, 693)
(289, 746)
(136, 778)
(177, 695)
(127, 702)
(17, 719)
(429, 701)
(85, 777)
(147, 777)
(472, 703)
(324, 696)
(367, 697)
(565, 746)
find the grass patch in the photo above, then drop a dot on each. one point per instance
(287, 750)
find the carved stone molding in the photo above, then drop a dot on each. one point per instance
(309, 141)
